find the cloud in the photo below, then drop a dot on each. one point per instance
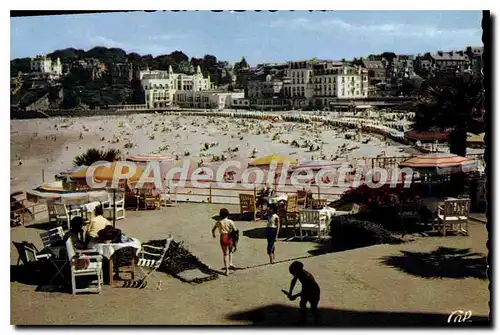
(167, 37)
(386, 29)
(106, 42)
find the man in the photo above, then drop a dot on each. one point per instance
(97, 223)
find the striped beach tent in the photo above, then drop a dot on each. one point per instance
(441, 162)
(147, 158)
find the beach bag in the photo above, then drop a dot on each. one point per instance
(110, 234)
(235, 236)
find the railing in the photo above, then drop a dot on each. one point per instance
(27, 212)
(213, 193)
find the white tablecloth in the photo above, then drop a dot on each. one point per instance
(91, 206)
(277, 198)
(326, 212)
(108, 249)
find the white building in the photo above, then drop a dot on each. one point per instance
(42, 64)
(207, 99)
(298, 83)
(333, 82)
(161, 86)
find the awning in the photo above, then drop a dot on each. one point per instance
(441, 162)
(278, 159)
(438, 135)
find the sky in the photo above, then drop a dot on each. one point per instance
(258, 36)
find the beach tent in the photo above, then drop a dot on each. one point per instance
(104, 173)
(147, 158)
(427, 136)
(64, 174)
(267, 160)
(442, 163)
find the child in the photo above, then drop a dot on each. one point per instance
(272, 230)
(310, 291)
(226, 227)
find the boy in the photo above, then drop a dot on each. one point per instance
(310, 291)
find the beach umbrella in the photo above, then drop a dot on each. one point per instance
(106, 174)
(267, 160)
(440, 162)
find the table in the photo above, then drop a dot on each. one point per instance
(108, 249)
(274, 199)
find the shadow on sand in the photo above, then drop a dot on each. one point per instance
(440, 263)
(43, 225)
(287, 316)
(237, 217)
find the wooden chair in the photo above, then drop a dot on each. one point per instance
(290, 216)
(453, 216)
(312, 222)
(118, 206)
(94, 268)
(301, 200)
(248, 204)
(152, 202)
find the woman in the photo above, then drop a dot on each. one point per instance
(272, 230)
(98, 223)
(75, 232)
(225, 226)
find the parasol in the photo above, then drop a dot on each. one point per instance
(267, 160)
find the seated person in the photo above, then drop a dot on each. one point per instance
(15, 219)
(75, 232)
(97, 223)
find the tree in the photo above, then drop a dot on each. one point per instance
(20, 65)
(92, 156)
(454, 103)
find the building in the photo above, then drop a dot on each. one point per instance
(93, 66)
(211, 99)
(334, 81)
(377, 72)
(42, 64)
(122, 70)
(298, 83)
(160, 86)
(265, 86)
(451, 61)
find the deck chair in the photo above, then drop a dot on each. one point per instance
(149, 261)
(453, 216)
(118, 206)
(52, 236)
(312, 222)
(248, 204)
(94, 268)
(28, 253)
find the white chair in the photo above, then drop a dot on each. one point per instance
(52, 212)
(118, 206)
(62, 214)
(52, 236)
(453, 216)
(312, 222)
(94, 268)
(152, 260)
(165, 199)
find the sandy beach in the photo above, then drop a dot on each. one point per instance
(51, 144)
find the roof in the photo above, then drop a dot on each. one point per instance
(449, 56)
(373, 64)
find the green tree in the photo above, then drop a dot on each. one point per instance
(454, 103)
(92, 156)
